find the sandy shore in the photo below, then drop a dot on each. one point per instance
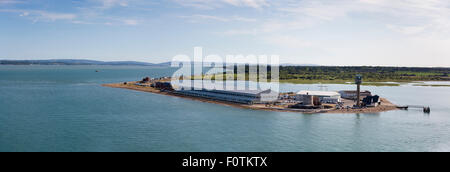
(385, 104)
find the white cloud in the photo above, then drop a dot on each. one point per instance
(24, 14)
(408, 17)
(405, 16)
(413, 27)
(90, 12)
(44, 15)
(421, 28)
(243, 19)
(38, 15)
(201, 17)
(233, 32)
(318, 9)
(200, 4)
(407, 30)
(272, 26)
(198, 17)
(5, 2)
(288, 41)
(107, 4)
(248, 3)
(130, 22)
(213, 4)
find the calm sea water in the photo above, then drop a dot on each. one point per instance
(64, 108)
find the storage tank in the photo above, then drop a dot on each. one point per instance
(306, 99)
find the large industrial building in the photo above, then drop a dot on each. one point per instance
(235, 96)
(352, 94)
(324, 96)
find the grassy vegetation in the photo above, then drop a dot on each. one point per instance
(431, 85)
(380, 84)
(373, 76)
(370, 74)
(297, 81)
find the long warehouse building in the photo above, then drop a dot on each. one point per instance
(235, 96)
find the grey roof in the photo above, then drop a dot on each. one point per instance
(221, 84)
(251, 92)
(247, 91)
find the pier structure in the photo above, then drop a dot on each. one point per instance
(426, 109)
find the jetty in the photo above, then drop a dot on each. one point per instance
(426, 109)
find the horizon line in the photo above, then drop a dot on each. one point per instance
(281, 64)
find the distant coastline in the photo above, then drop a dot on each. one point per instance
(97, 62)
(297, 73)
(81, 62)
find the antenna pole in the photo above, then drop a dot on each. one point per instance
(358, 81)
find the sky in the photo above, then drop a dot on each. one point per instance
(323, 32)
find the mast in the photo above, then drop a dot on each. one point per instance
(358, 82)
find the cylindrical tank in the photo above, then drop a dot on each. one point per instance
(307, 100)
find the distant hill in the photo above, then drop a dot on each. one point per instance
(95, 62)
(78, 62)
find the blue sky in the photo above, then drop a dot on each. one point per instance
(326, 32)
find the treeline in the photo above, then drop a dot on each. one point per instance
(369, 73)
